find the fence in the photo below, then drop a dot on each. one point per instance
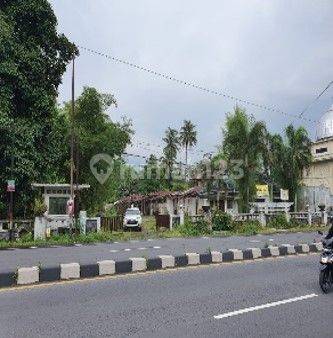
(245, 217)
(23, 225)
(114, 223)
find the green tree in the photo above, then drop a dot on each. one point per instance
(96, 133)
(243, 146)
(290, 157)
(33, 58)
(187, 138)
(153, 176)
(170, 151)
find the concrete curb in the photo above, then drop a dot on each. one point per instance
(35, 274)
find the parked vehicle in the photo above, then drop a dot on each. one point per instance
(132, 219)
(326, 266)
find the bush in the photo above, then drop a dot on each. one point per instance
(222, 221)
(193, 229)
(39, 207)
(250, 228)
(279, 222)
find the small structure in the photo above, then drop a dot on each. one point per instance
(194, 202)
(56, 197)
(318, 179)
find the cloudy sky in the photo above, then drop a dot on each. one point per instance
(274, 52)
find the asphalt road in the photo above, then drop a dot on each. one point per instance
(11, 259)
(178, 303)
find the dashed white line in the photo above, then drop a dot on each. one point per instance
(113, 251)
(127, 249)
(156, 247)
(264, 306)
(142, 248)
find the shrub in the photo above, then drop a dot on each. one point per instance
(222, 221)
(279, 222)
(250, 228)
(193, 229)
(294, 223)
(39, 207)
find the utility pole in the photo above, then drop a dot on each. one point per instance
(72, 145)
(11, 189)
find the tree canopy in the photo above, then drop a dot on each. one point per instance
(244, 144)
(33, 58)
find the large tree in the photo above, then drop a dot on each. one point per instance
(170, 151)
(243, 146)
(95, 133)
(187, 138)
(33, 58)
(290, 156)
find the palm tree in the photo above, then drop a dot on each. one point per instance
(243, 146)
(290, 158)
(188, 138)
(170, 150)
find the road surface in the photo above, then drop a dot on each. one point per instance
(266, 298)
(11, 259)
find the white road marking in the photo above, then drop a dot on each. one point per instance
(265, 306)
(115, 242)
(255, 241)
(114, 251)
(127, 250)
(157, 247)
(142, 248)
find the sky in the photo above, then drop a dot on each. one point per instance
(277, 53)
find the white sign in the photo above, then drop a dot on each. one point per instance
(284, 195)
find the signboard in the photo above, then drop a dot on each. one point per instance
(10, 186)
(284, 195)
(262, 190)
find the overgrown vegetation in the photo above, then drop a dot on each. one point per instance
(222, 221)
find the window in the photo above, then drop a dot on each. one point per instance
(58, 205)
(321, 150)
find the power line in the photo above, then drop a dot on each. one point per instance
(147, 157)
(191, 84)
(316, 99)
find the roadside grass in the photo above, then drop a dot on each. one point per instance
(149, 231)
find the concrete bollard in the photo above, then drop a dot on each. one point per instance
(290, 249)
(193, 258)
(139, 264)
(28, 275)
(238, 254)
(216, 257)
(107, 267)
(167, 261)
(70, 271)
(274, 250)
(305, 248)
(256, 252)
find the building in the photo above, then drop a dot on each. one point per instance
(193, 201)
(55, 198)
(318, 179)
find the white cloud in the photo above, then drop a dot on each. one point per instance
(276, 52)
